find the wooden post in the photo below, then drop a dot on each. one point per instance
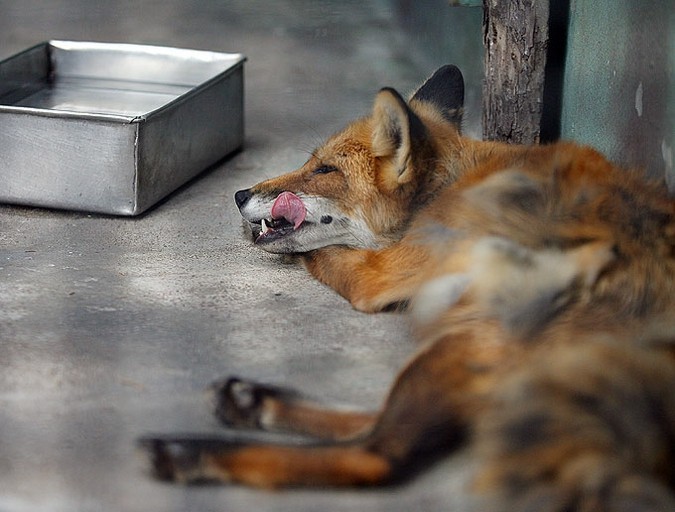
(515, 34)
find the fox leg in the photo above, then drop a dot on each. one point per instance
(190, 460)
(435, 399)
(370, 280)
(440, 394)
(243, 404)
(343, 460)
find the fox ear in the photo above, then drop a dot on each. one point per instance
(444, 90)
(395, 132)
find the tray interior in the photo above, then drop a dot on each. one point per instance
(101, 78)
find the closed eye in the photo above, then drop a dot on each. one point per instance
(325, 169)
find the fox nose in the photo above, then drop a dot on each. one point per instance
(241, 197)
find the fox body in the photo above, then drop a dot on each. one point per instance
(541, 285)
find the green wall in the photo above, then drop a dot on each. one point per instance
(619, 89)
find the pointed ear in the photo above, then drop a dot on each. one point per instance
(444, 90)
(396, 131)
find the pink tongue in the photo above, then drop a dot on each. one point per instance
(290, 207)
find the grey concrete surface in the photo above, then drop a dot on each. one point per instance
(110, 328)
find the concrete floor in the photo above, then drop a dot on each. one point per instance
(110, 328)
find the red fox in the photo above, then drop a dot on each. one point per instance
(541, 287)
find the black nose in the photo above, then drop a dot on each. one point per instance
(242, 197)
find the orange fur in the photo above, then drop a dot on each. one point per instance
(541, 283)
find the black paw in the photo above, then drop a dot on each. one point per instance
(171, 460)
(187, 460)
(242, 404)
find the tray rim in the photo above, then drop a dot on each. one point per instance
(237, 60)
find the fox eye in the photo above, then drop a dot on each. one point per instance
(325, 169)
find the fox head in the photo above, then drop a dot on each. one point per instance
(362, 185)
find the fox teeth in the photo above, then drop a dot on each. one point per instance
(263, 224)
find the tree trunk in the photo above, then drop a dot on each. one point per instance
(515, 34)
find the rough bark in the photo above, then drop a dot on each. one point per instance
(515, 34)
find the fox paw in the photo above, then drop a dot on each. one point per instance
(244, 404)
(172, 460)
(188, 460)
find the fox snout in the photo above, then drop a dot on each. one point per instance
(278, 221)
(282, 221)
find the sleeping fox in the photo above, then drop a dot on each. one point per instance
(540, 283)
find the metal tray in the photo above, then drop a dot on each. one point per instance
(113, 128)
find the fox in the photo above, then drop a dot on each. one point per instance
(539, 283)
